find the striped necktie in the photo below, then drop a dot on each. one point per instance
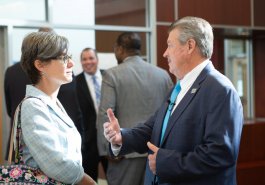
(170, 107)
(97, 89)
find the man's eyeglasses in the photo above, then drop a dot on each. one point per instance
(65, 58)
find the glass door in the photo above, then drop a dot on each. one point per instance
(238, 68)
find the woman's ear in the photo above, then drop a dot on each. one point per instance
(39, 65)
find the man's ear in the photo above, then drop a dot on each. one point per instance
(120, 49)
(191, 45)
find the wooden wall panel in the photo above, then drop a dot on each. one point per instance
(165, 10)
(259, 75)
(162, 34)
(252, 142)
(259, 13)
(218, 54)
(251, 159)
(224, 12)
(133, 18)
(105, 41)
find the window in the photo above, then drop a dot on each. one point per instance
(30, 10)
(120, 12)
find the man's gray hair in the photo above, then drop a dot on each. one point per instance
(198, 29)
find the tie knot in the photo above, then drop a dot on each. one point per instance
(175, 92)
(178, 87)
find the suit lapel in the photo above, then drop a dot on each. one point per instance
(60, 112)
(183, 104)
(159, 122)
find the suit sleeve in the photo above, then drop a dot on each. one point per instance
(142, 132)
(108, 100)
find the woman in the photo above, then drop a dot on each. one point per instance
(50, 140)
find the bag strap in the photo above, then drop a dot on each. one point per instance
(11, 144)
(10, 153)
(17, 117)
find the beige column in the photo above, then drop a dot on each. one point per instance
(1, 130)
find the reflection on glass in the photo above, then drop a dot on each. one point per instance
(79, 12)
(105, 41)
(78, 40)
(120, 12)
(18, 36)
(23, 10)
(237, 69)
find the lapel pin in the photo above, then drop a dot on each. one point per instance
(193, 91)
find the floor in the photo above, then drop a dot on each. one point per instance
(101, 175)
(102, 182)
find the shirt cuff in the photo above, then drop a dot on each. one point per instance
(116, 149)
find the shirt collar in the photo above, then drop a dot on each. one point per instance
(191, 76)
(97, 74)
(130, 58)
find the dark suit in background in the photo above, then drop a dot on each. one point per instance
(15, 86)
(89, 139)
(88, 104)
(68, 97)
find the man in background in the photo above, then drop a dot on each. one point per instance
(88, 91)
(133, 90)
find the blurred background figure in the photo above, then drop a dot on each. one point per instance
(133, 90)
(88, 87)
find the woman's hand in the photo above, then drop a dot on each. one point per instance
(87, 180)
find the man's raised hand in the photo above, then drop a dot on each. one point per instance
(112, 129)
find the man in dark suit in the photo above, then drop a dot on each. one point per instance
(194, 138)
(89, 96)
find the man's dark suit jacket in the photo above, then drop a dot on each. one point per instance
(201, 142)
(15, 87)
(89, 141)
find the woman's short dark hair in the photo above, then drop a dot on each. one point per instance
(42, 46)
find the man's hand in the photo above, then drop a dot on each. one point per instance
(112, 129)
(152, 157)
